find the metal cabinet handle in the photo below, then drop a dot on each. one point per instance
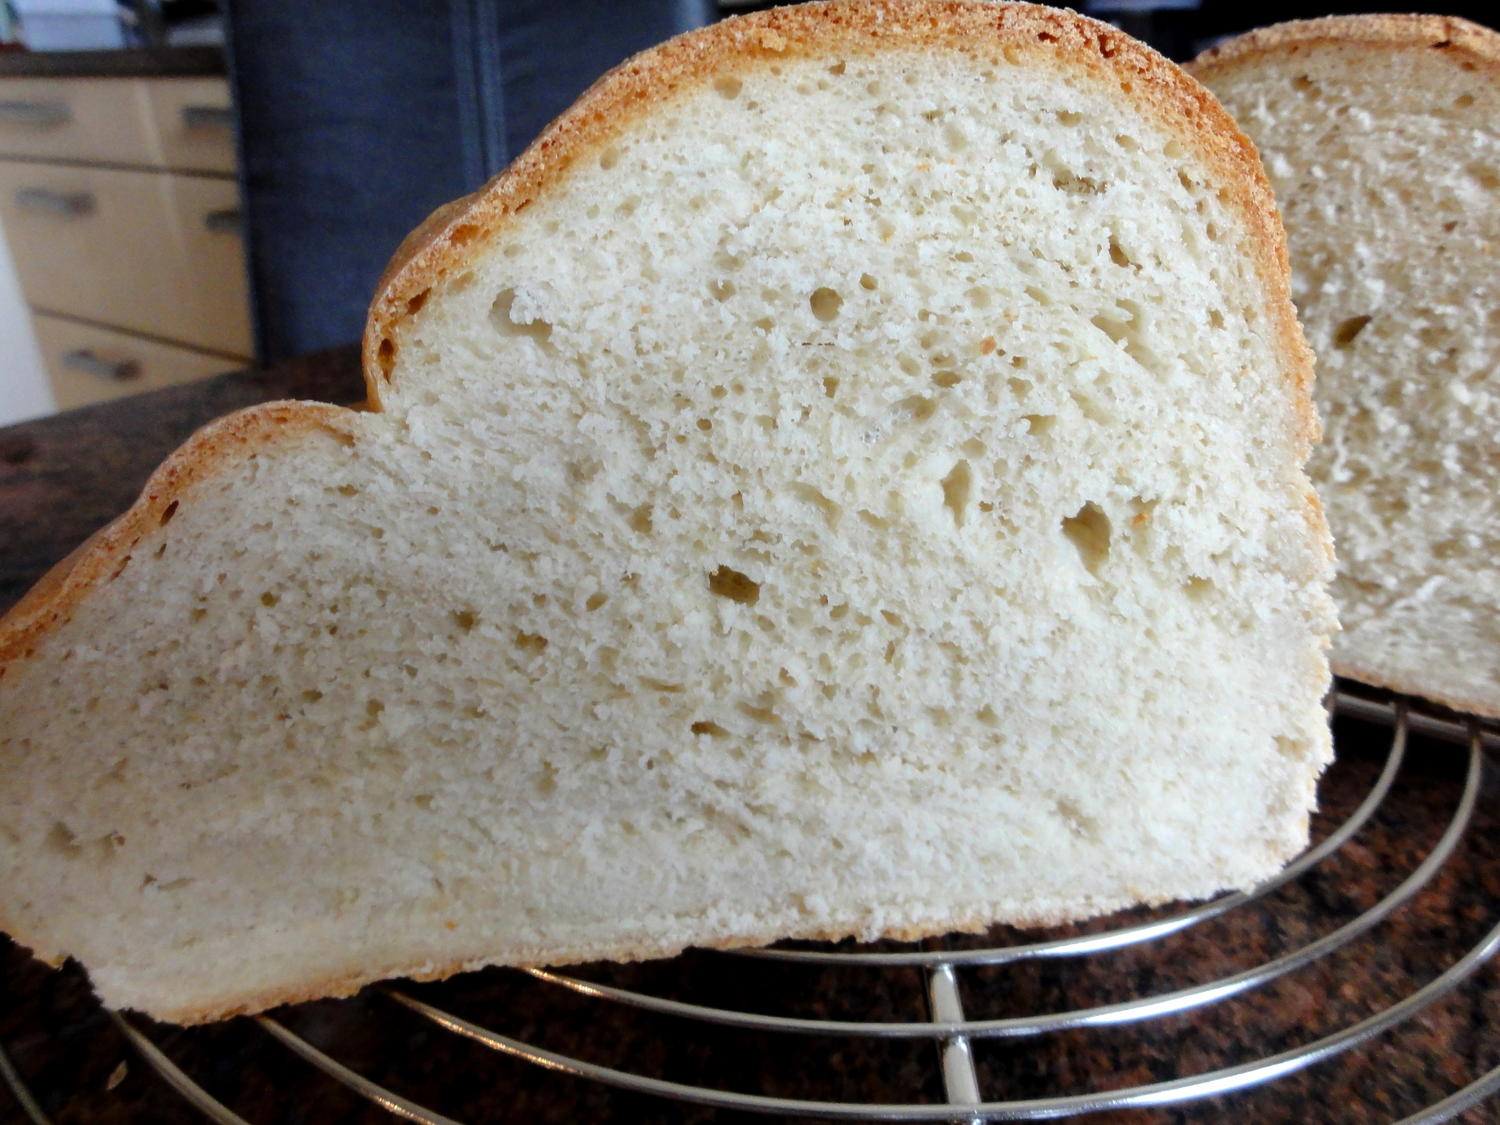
(207, 117)
(223, 222)
(35, 113)
(69, 203)
(116, 370)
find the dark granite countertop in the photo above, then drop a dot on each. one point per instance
(128, 62)
(62, 477)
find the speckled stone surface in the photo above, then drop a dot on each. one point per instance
(63, 477)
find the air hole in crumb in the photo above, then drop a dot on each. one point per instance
(268, 599)
(1463, 101)
(374, 707)
(414, 305)
(465, 619)
(1088, 531)
(502, 317)
(759, 714)
(640, 519)
(1215, 318)
(1068, 117)
(1485, 176)
(708, 727)
(957, 486)
(530, 642)
(63, 839)
(1198, 588)
(946, 378)
(868, 282)
(1117, 253)
(825, 303)
(1039, 424)
(546, 781)
(729, 583)
(385, 356)
(595, 601)
(728, 87)
(721, 290)
(808, 494)
(1345, 333)
(609, 158)
(915, 408)
(312, 695)
(167, 513)
(422, 800)
(830, 385)
(1305, 85)
(653, 684)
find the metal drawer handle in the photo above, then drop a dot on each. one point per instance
(223, 222)
(70, 203)
(207, 117)
(35, 113)
(117, 370)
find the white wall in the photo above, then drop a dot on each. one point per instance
(24, 390)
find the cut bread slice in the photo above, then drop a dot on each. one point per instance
(845, 479)
(1381, 135)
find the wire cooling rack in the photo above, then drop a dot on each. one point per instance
(1315, 969)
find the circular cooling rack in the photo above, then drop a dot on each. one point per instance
(1358, 985)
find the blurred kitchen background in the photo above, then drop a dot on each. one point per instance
(188, 187)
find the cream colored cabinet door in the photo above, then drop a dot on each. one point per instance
(194, 123)
(143, 251)
(106, 120)
(88, 364)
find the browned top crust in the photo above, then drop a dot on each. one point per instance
(1458, 38)
(1012, 33)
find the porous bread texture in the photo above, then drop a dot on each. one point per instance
(1382, 139)
(858, 493)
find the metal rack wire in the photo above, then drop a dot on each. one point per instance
(947, 1026)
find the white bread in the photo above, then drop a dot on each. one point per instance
(845, 479)
(1381, 135)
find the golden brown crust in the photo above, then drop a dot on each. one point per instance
(107, 552)
(998, 32)
(1458, 39)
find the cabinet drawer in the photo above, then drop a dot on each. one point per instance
(149, 252)
(87, 364)
(100, 119)
(194, 123)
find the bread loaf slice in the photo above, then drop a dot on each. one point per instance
(1382, 138)
(845, 479)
